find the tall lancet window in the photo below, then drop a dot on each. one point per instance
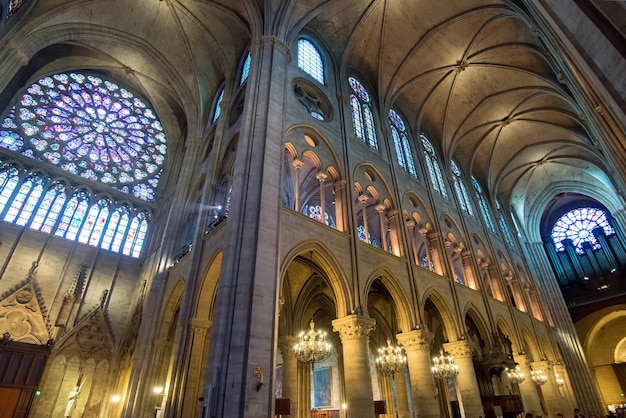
(504, 226)
(401, 143)
(362, 116)
(245, 69)
(310, 60)
(461, 191)
(434, 169)
(482, 204)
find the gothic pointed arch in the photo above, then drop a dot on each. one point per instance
(23, 313)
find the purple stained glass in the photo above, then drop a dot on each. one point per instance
(70, 118)
(578, 225)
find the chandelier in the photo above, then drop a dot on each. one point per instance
(538, 376)
(444, 367)
(312, 346)
(390, 359)
(559, 380)
(515, 376)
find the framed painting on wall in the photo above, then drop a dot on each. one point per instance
(322, 389)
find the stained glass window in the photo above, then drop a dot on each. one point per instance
(434, 170)
(28, 200)
(315, 212)
(310, 60)
(89, 127)
(362, 117)
(227, 203)
(578, 225)
(361, 233)
(482, 204)
(504, 226)
(13, 6)
(218, 105)
(461, 191)
(401, 143)
(245, 69)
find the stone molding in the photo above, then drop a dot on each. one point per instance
(417, 340)
(353, 327)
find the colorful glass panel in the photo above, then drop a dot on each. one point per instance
(310, 60)
(315, 212)
(362, 117)
(482, 204)
(460, 189)
(14, 5)
(357, 118)
(89, 127)
(401, 143)
(434, 170)
(9, 180)
(578, 225)
(26, 211)
(504, 226)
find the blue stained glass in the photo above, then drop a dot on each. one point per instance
(434, 170)
(482, 204)
(504, 226)
(461, 191)
(9, 180)
(102, 122)
(310, 60)
(362, 117)
(361, 233)
(401, 143)
(218, 105)
(578, 225)
(245, 70)
(315, 212)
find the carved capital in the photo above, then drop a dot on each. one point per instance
(200, 326)
(380, 208)
(415, 340)
(363, 198)
(353, 327)
(321, 177)
(458, 349)
(286, 344)
(297, 164)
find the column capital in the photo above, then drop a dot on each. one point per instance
(286, 344)
(363, 198)
(353, 327)
(321, 176)
(380, 208)
(458, 349)
(296, 163)
(415, 340)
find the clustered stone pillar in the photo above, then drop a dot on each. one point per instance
(290, 370)
(467, 385)
(380, 208)
(354, 332)
(297, 164)
(416, 344)
(321, 177)
(363, 199)
(527, 388)
(435, 252)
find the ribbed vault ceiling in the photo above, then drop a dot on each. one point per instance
(473, 75)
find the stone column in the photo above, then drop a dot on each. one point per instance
(468, 269)
(297, 164)
(435, 252)
(363, 199)
(404, 411)
(466, 383)
(550, 390)
(380, 208)
(321, 177)
(290, 370)
(416, 345)
(339, 188)
(410, 232)
(527, 388)
(354, 332)
(393, 217)
(201, 336)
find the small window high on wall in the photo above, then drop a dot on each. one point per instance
(434, 169)
(401, 143)
(310, 60)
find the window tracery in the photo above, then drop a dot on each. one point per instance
(434, 169)
(504, 226)
(578, 225)
(482, 204)
(401, 143)
(245, 69)
(362, 117)
(461, 190)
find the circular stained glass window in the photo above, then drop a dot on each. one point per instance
(578, 225)
(90, 127)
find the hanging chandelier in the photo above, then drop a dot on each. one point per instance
(312, 346)
(390, 359)
(516, 376)
(538, 376)
(444, 367)
(559, 380)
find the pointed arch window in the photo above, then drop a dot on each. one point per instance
(578, 225)
(459, 188)
(401, 143)
(310, 60)
(434, 169)
(13, 6)
(504, 225)
(49, 208)
(482, 204)
(218, 105)
(23, 203)
(245, 69)
(362, 117)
